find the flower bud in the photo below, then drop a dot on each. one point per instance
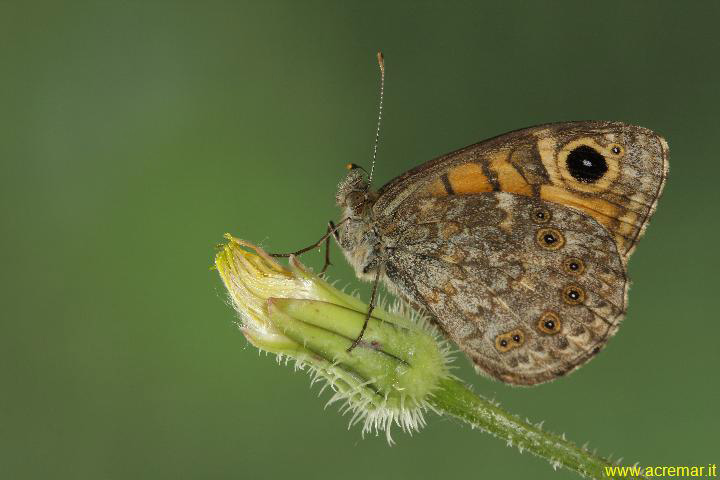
(387, 379)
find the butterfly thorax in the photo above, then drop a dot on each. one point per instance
(357, 236)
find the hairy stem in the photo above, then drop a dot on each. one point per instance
(457, 400)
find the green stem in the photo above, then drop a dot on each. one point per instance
(457, 400)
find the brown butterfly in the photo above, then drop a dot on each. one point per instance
(517, 246)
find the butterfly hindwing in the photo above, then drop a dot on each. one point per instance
(481, 266)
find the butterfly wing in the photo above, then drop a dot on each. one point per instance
(611, 171)
(528, 289)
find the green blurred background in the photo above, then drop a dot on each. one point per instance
(134, 134)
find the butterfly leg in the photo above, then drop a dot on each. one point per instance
(371, 307)
(332, 229)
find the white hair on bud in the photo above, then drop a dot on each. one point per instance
(377, 417)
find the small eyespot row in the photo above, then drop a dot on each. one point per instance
(540, 215)
(574, 266)
(573, 295)
(550, 239)
(509, 340)
(549, 323)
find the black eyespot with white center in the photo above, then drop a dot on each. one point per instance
(549, 323)
(540, 215)
(550, 238)
(573, 295)
(509, 340)
(574, 266)
(586, 164)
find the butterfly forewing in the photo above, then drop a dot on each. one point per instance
(612, 171)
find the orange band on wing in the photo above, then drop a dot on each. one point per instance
(437, 188)
(604, 212)
(510, 180)
(469, 178)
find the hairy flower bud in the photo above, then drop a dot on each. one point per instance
(387, 379)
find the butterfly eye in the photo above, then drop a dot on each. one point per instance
(550, 239)
(573, 295)
(549, 323)
(574, 266)
(617, 149)
(586, 164)
(355, 200)
(540, 215)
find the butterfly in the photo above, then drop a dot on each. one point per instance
(517, 246)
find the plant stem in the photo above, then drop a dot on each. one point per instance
(457, 400)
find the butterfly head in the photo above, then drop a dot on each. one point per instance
(354, 196)
(356, 236)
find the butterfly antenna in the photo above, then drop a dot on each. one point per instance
(381, 64)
